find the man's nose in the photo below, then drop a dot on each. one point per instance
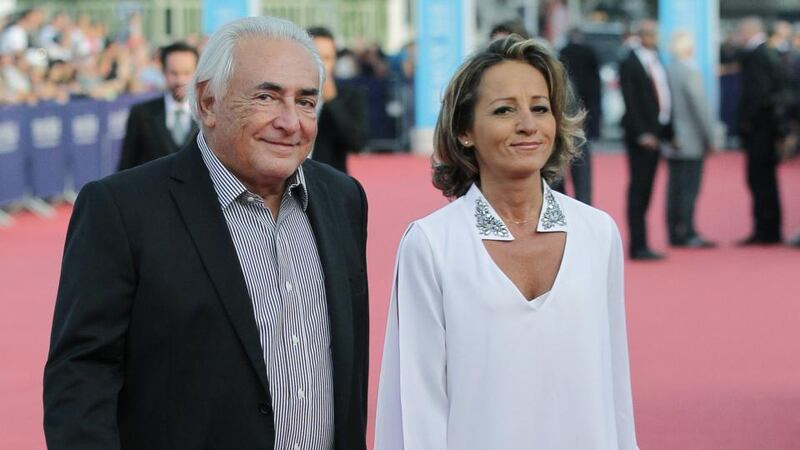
(287, 118)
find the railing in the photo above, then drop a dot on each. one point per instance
(166, 20)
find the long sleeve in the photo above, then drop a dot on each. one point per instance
(84, 371)
(702, 113)
(623, 401)
(412, 397)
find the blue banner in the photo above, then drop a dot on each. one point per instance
(84, 126)
(440, 50)
(218, 12)
(701, 18)
(116, 120)
(12, 154)
(46, 157)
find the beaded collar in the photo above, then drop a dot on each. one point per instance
(489, 225)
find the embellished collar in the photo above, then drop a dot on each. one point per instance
(489, 225)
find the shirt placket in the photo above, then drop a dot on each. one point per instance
(294, 337)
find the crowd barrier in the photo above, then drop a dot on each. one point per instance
(51, 149)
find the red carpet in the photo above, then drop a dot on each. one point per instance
(714, 334)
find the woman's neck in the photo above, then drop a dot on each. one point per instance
(515, 200)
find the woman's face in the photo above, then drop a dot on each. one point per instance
(513, 129)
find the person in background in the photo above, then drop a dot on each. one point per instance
(505, 29)
(693, 140)
(343, 118)
(506, 328)
(761, 123)
(584, 73)
(162, 126)
(646, 122)
(217, 298)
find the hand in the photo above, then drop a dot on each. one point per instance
(329, 89)
(648, 141)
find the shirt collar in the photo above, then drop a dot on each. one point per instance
(170, 105)
(229, 188)
(488, 224)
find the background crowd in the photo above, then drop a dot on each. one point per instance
(54, 57)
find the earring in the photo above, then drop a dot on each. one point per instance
(466, 143)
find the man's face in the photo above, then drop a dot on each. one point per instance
(178, 71)
(649, 35)
(327, 52)
(264, 126)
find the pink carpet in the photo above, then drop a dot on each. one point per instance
(714, 334)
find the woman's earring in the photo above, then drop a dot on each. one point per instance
(466, 143)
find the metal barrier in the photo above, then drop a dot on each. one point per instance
(50, 151)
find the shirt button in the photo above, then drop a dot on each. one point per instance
(295, 340)
(296, 447)
(301, 394)
(289, 286)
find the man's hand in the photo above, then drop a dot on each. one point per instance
(648, 141)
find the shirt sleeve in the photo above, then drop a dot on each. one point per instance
(412, 397)
(623, 401)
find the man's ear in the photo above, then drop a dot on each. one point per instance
(205, 105)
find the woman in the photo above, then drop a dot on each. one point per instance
(694, 139)
(506, 328)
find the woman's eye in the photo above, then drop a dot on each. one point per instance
(503, 110)
(540, 109)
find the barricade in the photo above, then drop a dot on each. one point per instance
(48, 149)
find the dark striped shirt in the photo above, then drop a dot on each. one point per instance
(284, 277)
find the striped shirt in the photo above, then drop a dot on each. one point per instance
(284, 278)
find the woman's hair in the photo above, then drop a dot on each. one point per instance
(216, 63)
(455, 167)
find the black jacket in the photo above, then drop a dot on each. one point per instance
(147, 136)
(154, 342)
(342, 127)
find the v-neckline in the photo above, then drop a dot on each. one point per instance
(540, 299)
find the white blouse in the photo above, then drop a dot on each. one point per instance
(469, 363)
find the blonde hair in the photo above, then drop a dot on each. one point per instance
(455, 167)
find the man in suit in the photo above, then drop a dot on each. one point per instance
(161, 126)
(647, 124)
(584, 73)
(217, 298)
(343, 120)
(762, 121)
(694, 139)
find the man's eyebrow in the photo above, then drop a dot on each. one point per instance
(270, 86)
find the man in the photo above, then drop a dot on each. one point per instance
(15, 38)
(647, 124)
(693, 127)
(217, 298)
(343, 120)
(161, 126)
(584, 73)
(761, 118)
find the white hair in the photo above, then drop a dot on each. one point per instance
(681, 43)
(216, 63)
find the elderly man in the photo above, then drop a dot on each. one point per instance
(217, 298)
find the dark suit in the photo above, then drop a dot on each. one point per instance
(147, 136)
(641, 116)
(761, 120)
(154, 342)
(342, 127)
(584, 74)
